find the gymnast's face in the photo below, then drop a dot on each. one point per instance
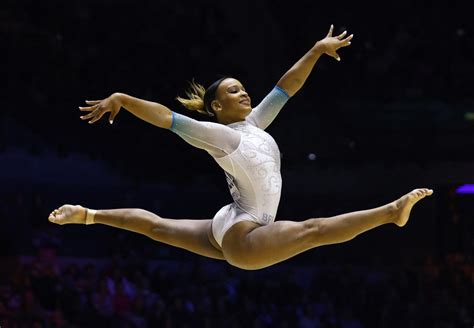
(232, 101)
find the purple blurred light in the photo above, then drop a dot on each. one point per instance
(465, 189)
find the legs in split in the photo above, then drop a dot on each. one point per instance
(252, 247)
(248, 245)
(191, 235)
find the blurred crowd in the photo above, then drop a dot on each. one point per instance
(46, 292)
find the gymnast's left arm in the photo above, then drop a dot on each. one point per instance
(296, 76)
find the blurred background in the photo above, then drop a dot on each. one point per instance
(395, 114)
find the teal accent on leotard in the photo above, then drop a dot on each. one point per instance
(173, 119)
(264, 114)
(282, 90)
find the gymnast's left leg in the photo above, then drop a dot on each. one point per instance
(250, 246)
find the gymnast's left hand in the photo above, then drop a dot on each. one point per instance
(98, 108)
(330, 44)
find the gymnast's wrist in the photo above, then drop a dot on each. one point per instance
(319, 48)
(90, 216)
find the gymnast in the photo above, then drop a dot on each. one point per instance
(243, 233)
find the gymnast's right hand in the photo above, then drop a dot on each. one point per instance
(98, 108)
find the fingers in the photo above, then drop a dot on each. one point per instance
(334, 43)
(347, 41)
(92, 114)
(112, 117)
(97, 117)
(87, 109)
(93, 102)
(340, 36)
(344, 42)
(97, 109)
(349, 38)
(330, 31)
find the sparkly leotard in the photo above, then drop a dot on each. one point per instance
(250, 158)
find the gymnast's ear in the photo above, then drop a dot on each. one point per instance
(216, 106)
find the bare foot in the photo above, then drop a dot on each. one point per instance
(405, 204)
(68, 214)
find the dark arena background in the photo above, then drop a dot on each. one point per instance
(396, 113)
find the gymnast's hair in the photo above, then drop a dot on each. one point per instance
(199, 98)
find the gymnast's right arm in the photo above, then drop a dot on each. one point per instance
(216, 139)
(151, 112)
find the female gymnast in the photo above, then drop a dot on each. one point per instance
(244, 233)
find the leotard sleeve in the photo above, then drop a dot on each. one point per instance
(217, 139)
(264, 114)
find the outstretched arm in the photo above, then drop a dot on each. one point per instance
(216, 139)
(264, 114)
(296, 76)
(151, 112)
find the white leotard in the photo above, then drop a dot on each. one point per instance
(250, 158)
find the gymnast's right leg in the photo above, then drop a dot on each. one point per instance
(191, 235)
